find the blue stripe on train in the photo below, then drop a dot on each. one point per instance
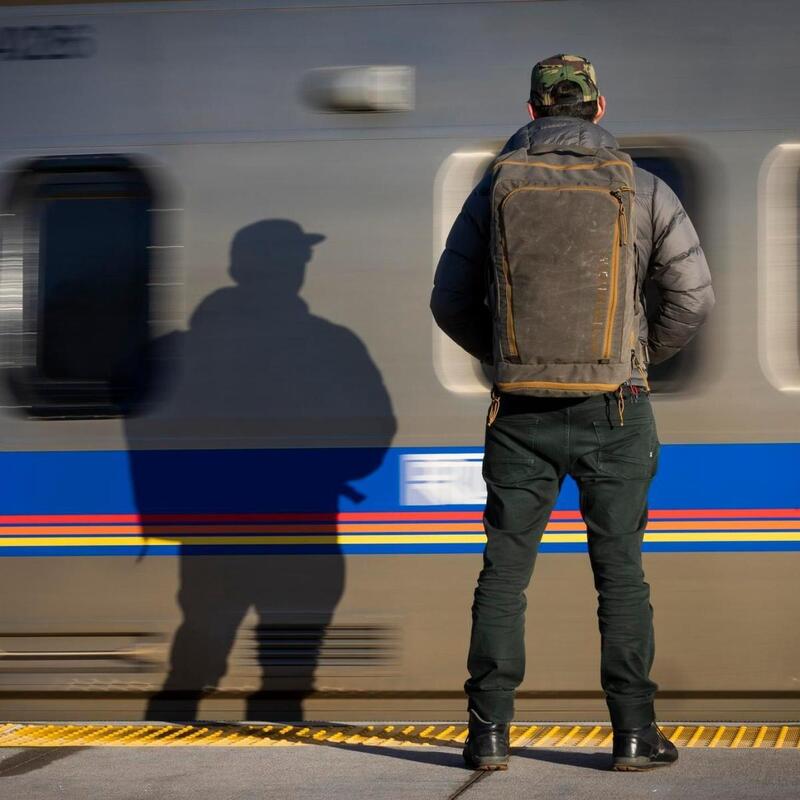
(347, 479)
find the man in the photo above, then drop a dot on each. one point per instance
(606, 441)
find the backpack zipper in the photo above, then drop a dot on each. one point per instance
(623, 215)
(620, 240)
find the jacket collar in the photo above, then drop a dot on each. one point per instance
(561, 130)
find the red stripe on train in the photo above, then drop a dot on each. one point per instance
(375, 516)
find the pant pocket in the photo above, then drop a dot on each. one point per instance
(629, 450)
(509, 457)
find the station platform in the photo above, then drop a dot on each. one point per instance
(119, 761)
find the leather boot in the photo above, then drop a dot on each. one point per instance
(487, 744)
(641, 749)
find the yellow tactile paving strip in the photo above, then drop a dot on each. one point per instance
(564, 735)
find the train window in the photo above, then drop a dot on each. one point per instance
(75, 276)
(676, 170)
(666, 168)
(459, 173)
(779, 268)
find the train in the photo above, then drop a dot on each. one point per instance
(240, 468)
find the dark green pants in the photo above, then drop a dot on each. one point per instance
(532, 446)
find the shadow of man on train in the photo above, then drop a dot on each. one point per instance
(244, 465)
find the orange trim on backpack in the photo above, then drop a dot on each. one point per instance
(562, 167)
(567, 387)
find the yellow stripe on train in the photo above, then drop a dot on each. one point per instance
(301, 539)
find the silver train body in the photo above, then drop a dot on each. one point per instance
(290, 525)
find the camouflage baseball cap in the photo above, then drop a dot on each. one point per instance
(551, 71)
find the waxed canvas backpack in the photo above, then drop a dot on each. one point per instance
(563, 270)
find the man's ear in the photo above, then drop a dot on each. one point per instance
(531, 111)
(601, 109)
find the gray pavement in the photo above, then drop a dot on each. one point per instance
(342, 772)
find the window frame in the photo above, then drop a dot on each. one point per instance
(680, 372)
(459, 172)
(20, 312)
(779, 267)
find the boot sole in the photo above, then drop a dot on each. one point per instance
(643, 766)
(487, 765)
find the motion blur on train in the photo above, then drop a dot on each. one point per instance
(240, 474)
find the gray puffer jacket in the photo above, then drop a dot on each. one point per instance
(668, 252)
